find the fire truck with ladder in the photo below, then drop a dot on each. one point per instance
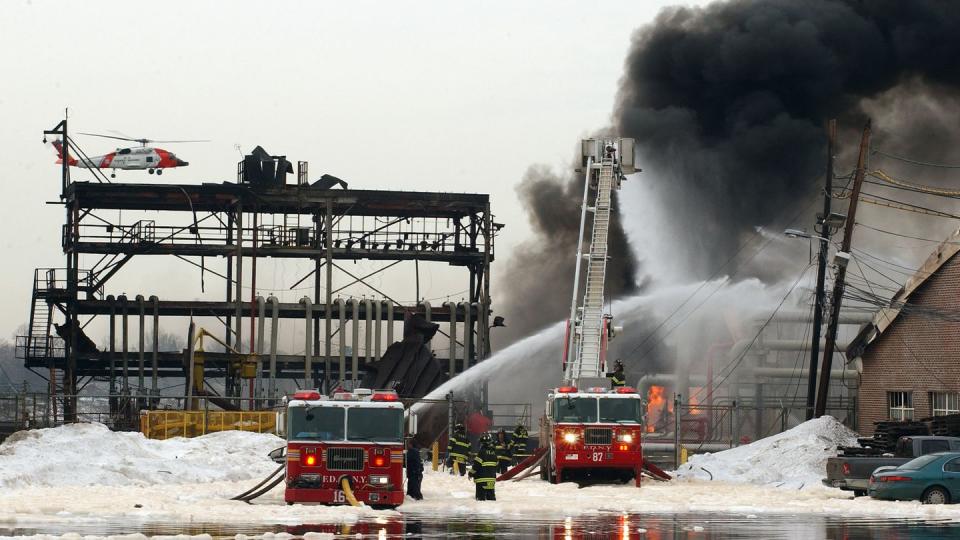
(346, 449)
(587, 429)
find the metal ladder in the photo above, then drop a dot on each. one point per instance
(591, 328)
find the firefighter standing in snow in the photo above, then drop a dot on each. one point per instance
(458, 449)
(414, 472)
(518, 444)
(617, 378)
(503, 453)
(484, 471)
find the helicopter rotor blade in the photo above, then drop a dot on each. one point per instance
(178, 141)
(108, 136)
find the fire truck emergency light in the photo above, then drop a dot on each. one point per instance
(626, 390)
(379, 461)
(310, 460)
(570, 437)
(385, 396)
(567, 390)
(307, 395)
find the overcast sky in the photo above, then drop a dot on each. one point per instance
(451, 96)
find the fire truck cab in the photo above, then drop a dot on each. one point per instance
(592, 432)
(347, 446)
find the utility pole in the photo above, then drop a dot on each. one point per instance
(843, 258)
(824, 233)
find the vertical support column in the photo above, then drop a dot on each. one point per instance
(452, 355)
(228, 329)
(427, 310)
(308, 343)
(140, 374)
(154, 391)
(485, 303)
(274, 326)
(328, 252)
(191, 366)
(233, 383)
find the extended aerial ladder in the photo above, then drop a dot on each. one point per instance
(589, 329)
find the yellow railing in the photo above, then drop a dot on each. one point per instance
(167, 424)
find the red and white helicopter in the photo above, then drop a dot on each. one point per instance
(127, 159)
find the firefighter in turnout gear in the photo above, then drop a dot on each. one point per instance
(617, 378)
(518, 444)
(458, 449)
(484, 471)
(503, 453)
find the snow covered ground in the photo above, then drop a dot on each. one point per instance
(87, 473)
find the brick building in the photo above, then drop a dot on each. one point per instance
(910, 353)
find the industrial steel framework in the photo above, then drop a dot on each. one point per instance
(242, 223)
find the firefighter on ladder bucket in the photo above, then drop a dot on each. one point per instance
(518, 443)
(484, 471)
(617, 378)
(458, 449)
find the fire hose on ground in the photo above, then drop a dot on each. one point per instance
(271, 481)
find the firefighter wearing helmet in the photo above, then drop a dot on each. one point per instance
(458, 448)
(617, 378)
(518, 443)
(484, 471)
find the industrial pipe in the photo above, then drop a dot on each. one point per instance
(355, 352)
(262, 312)
(427, 310)
(389, 322)
(378, 322)
(342, 331)
(367, 332)
(308, 350)
(154, 375)
(113, 343)
(140, 308)
(467, 334)
(452, 355)
(274, 326)
(123, 325)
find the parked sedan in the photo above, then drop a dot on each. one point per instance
(933, 479)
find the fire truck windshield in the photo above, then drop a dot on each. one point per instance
(375, 425)
(620, 410)
(316, 423)
(567, 409)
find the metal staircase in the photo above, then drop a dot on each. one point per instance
(589, 327)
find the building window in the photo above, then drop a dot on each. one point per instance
(901, 405)
(942, 403)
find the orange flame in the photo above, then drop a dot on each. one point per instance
(694, 400)
(655, 403)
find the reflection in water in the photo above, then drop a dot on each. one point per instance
(608, 525)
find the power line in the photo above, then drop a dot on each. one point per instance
(914, 161)
(906, 235)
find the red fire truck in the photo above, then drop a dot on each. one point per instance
(346, 449)
(592, 432)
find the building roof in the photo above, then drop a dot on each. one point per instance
(885, 317)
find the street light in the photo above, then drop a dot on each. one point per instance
(796, 233)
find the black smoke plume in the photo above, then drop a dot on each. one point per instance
(539, 275)
(728, 102)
